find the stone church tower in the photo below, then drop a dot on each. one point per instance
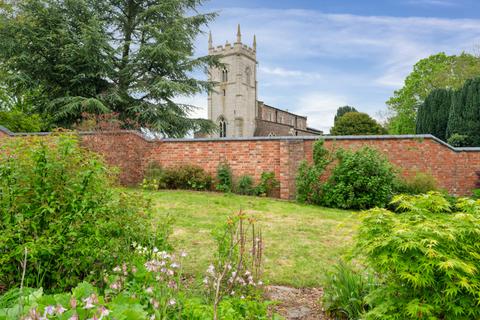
(232, 104)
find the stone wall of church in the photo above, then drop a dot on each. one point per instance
(272, 114)
(266, 128)
(453, 168)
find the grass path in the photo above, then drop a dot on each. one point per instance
(301, 241)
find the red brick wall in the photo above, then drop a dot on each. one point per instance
(125, 150)
(250, 157)
(453, 169)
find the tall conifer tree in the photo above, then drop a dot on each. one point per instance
(464, 118)
(131, 57)
(432, 117)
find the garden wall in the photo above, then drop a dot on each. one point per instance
(454, 168)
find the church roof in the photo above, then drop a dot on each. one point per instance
(293, 114)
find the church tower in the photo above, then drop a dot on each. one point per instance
(232, 104)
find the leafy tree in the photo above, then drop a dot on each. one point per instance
(342, 110)
(132, 57)
(464, 119)
(433, 114)
(356, 123)
(436, 71)
(17, 121)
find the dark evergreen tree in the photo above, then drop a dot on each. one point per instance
(464, 118)
(131, 57)
(342, 110)
(432, 116)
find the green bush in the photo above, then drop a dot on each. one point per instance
(224, 178)
(17, 121)
(427, 255)
(345, 292)
(267, 185)
(139, 291)
(417, 184)
(362, 179)
(245, 185)
(57, 202)
(458, 140)
(187, 177)
(308, 183)
(153, 286)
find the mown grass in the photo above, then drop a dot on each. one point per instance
(301, 241)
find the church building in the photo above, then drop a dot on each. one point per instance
(233, 103)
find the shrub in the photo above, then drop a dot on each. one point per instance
(458, 140)
(427, 255)
(224, 178)
(345, 292)
(187, 177)
(153, 286)
(245, 185)
(18, 121)
(267, 185)
(308, 183)
(57, 202)
(362, 179)
(419, 183)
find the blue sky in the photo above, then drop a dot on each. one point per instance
(315, 56)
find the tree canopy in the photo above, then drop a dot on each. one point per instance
(356, 123)
(432, 117)
(464, 119)
(434, 72)
(342, 110)
(131, 57)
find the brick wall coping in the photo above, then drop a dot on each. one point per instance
(5, 130)
(283, 138)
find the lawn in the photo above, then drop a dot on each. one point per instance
(301, 241)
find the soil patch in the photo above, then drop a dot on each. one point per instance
(297, 304)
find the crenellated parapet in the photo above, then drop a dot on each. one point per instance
(236, 48)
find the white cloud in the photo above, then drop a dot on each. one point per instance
(281, 72)
(320, 108)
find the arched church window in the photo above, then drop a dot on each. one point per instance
(222, 127)
(248, 74)
(225, 75)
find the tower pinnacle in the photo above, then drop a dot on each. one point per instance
(239, 34)
(210, 41)
(254, 43)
